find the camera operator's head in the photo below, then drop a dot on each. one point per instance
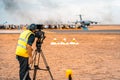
(32, 27)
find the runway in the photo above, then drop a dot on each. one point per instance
(66, 31)
(88, 31)
(10, 31)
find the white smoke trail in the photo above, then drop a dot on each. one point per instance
(52, 11)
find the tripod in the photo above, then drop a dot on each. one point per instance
(36, 59)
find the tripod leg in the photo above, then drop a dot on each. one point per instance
(26, 75)
(36, 66)
(34, 75)
(34, 57)
(45, 62)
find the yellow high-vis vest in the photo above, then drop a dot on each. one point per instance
(22, 43)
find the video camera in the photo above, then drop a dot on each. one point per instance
(40, 35)
(40, 26)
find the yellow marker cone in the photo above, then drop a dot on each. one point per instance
(69, 74)
(64, 42)
(54, 42)
(74, 42)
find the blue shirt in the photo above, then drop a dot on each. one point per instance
(31, 39)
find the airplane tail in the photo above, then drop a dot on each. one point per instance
(80, 17)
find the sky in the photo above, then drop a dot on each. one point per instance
(59, 11)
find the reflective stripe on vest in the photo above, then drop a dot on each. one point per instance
(22, 42)
(22, 46)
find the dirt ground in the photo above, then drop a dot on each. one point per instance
(97, 57)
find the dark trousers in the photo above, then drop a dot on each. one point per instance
(24, 67)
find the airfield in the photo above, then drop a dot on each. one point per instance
(96, 57)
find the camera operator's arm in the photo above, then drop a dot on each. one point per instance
(29, 47)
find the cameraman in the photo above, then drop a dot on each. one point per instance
(24, 50)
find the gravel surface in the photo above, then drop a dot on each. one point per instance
(96, 57)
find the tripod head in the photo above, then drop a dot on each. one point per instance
(40, 35)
